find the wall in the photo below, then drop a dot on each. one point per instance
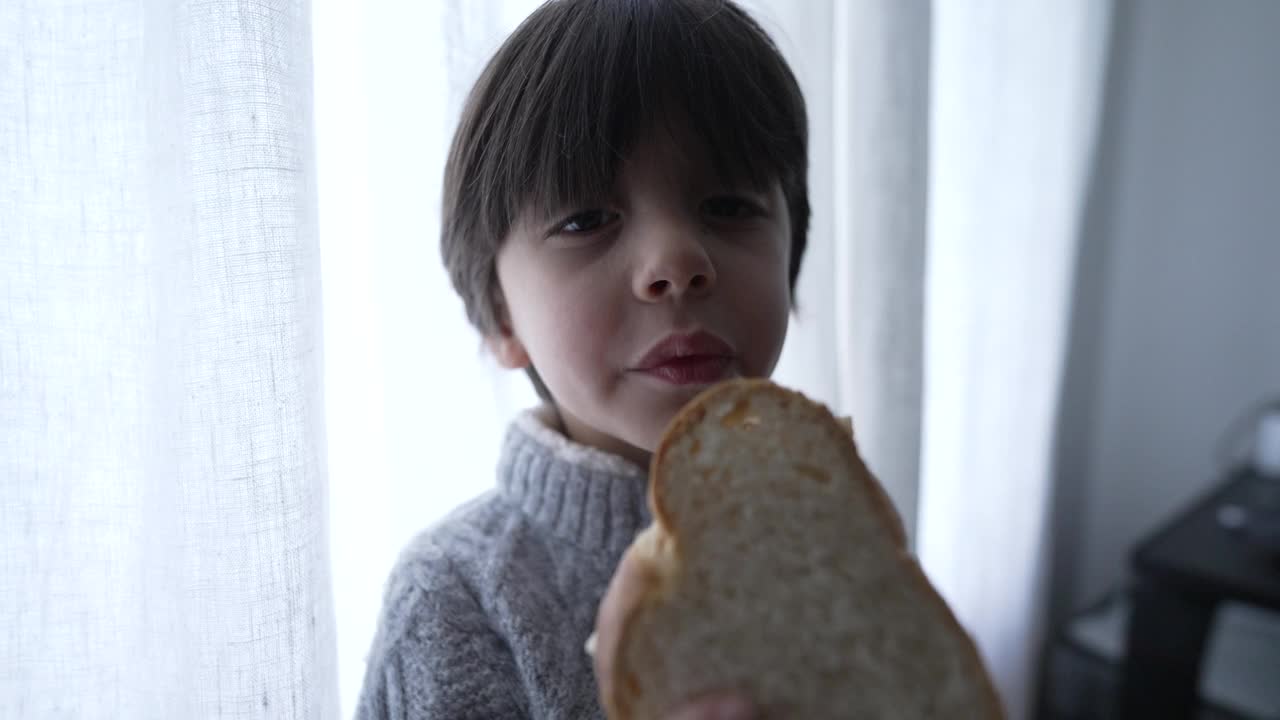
(1176, 325)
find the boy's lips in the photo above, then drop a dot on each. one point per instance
(693, 370)
(688, 359)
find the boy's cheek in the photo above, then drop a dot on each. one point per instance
(577, 349)
(588, 322)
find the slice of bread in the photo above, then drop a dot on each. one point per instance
(780, 568)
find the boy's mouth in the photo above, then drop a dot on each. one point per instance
(692, 370)
(696, 358)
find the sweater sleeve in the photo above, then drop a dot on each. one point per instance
(436, 655)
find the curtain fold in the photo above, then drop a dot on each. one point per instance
(1016, 91)
(880, 88)
(163, 513)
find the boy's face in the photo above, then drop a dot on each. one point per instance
(592, 293)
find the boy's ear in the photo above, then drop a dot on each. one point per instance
(504, 344)
(508, 349)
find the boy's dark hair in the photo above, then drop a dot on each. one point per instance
(573, 89)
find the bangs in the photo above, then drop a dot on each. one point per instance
(589, 80)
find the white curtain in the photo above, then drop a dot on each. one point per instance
(1016, 89)
(167, 492)
(163, 541)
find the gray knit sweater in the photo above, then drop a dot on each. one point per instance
(486, 613)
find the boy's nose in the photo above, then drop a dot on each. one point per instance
(676, 270)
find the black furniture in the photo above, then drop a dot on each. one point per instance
(1184, 572)
(1086, 654)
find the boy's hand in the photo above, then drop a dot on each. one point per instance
(623, 593)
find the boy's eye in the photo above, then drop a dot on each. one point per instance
(586, 222)
(731, 208)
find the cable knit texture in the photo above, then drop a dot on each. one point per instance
(486, 613)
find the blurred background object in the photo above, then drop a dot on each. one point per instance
(1176, 320)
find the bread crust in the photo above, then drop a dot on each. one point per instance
(661, 548)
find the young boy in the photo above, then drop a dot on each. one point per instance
(625, 214)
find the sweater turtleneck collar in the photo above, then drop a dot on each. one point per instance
(581, 494)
